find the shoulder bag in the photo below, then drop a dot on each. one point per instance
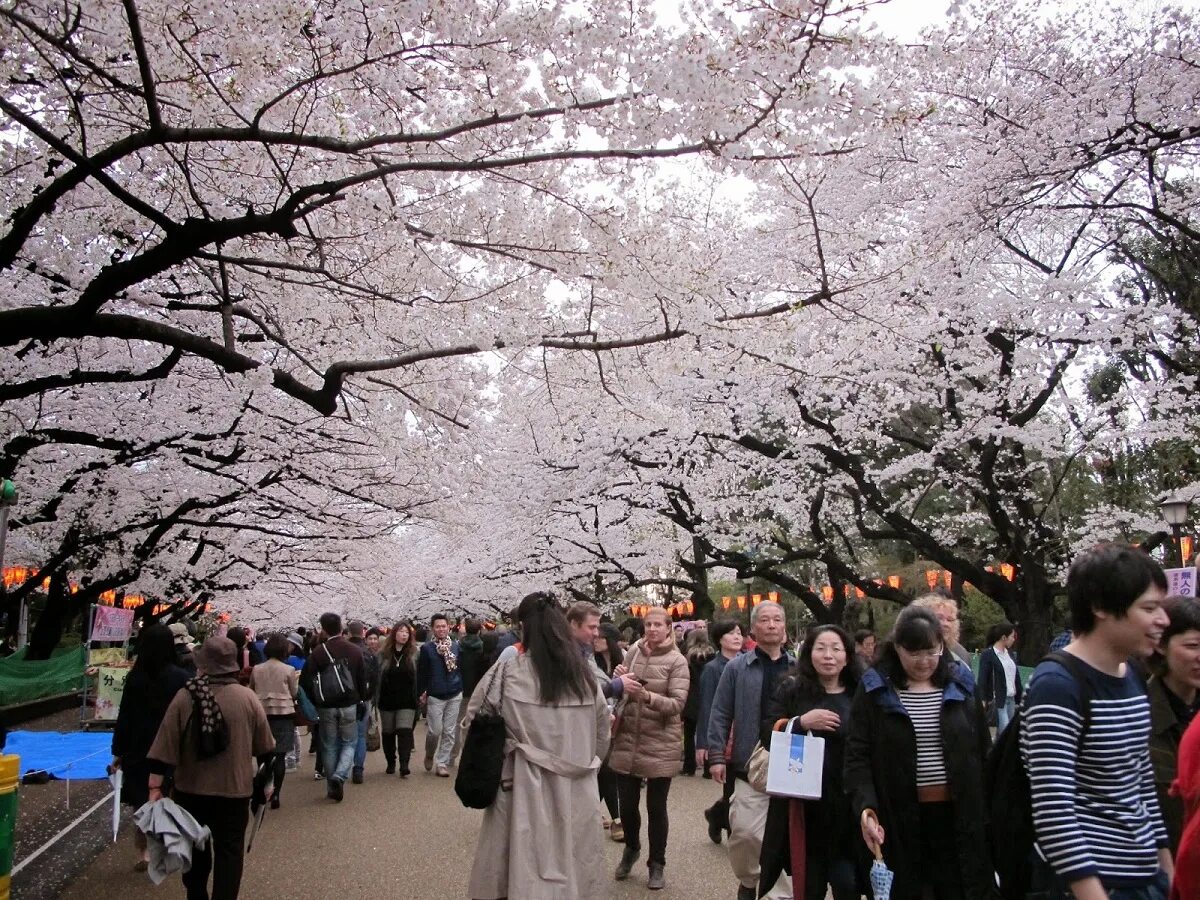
(482, 761)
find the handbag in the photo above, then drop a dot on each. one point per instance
(306, 713)
(482, 761)
(795, 764)
(373, 739)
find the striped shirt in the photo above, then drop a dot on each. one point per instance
(925, 710)
(1095, 812)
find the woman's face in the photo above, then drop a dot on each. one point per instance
(402, 635)
(600, 644)
(656, 629)
(828, 655)
(919, 665)
(1182, 654)
(733, 641)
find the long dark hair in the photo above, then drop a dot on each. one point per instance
(804, 674)
(916, 629)
(407, 654)
(612, 656)
(548, 643)
(156, 651)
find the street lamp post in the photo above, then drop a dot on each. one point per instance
(1175, 513)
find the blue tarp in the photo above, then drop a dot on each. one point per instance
(69, 754)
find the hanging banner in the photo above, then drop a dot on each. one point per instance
(112, 624)
(1181, 582)
(110, 685)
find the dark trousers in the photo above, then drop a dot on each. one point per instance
(226, 818)
(606, 780)
(278, 770)
(941, 878)
(689, 746)
(821, 869)
(629, 788)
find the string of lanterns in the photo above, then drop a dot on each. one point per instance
(18, 575)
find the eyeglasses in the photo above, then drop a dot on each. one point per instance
(925, 655)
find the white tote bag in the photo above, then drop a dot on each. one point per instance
(796, 765)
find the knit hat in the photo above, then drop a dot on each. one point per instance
(218, 656)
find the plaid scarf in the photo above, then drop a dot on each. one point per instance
(444, 647)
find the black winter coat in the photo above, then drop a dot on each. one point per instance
(697, 660)
(397, 686)
(143, 705)
(993, 686)
(470, 663)
(881, 774)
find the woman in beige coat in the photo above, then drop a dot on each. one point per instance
(541, 837)
(277, 684)
(649, 740)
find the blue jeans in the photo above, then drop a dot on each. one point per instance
(1004, 714)
(360, 745)
(339, 732)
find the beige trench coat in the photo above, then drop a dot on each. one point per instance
(649, 740)
(541, 839)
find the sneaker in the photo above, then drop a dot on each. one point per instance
(658, 879)
(746, 893)
(616, 831)
(443, 772)
(317, 776)
(714, 827)
(336, 791)
(625, 866)
(357, 776)
(429, 764)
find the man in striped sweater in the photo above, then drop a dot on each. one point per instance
(1095, 812)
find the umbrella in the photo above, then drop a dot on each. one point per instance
(258, 800)
(881, 878)
(115, 778)
(254, 826)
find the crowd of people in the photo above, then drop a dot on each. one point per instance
(598, 722)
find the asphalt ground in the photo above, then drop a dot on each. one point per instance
(395, 839)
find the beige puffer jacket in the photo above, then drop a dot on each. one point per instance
(649, 740)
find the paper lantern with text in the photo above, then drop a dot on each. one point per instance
(827, 594)
(1007, 570)
(1185, 548)
(756, 599)
(931, 578)
(894, 581)
(741, 601)
(948, 580)
(773, 596)
(726, 602)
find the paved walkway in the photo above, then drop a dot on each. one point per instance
(393, 840)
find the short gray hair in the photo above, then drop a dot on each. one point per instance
(754, 612)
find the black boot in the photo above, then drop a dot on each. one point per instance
(388, 739)
(628, 857)
(404, 749)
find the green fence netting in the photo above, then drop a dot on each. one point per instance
(23, 680)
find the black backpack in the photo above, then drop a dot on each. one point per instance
(333, 685)
(1007, 794)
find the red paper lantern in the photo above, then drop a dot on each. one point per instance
(741, 601)
(894, 581)
(931, 578)
(726, 602)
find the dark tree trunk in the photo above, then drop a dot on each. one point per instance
(61, 608)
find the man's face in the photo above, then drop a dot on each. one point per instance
(441, 628)
(948, 616)
(769, 628)
(1140, 630)
(867, 647)
(372, 642)
(586, 631)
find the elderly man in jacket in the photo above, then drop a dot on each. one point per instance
(742, 693)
